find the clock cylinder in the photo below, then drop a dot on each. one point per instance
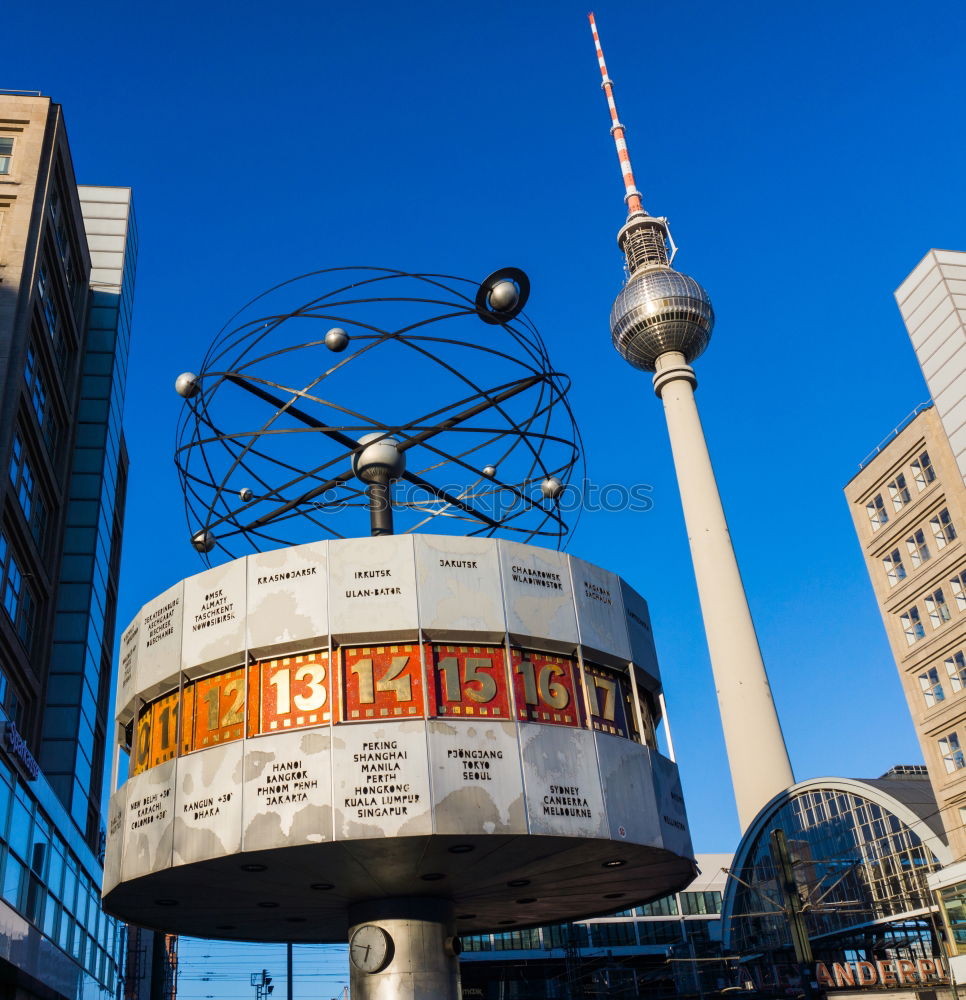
(423, 965)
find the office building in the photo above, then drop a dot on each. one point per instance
(861, 853)
(908, 502)
(67, 257)
(671, 946)
(932, 301)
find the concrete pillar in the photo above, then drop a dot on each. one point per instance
(759, 762)
(421, 962)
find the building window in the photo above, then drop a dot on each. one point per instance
(956, 668)
(700, 903)
(922, 471)
(51, 313)
(666, 906)
(937, 608)
(877, 512)
(22, 477)
(15, 594)
(912, 626)
(11, 702)
(59, 217)
(952, 753)
(39, 398)
(942, 528)
(958, 583)
(6, 153)
(932, 688)
(918, 549)
(614, 935)
(899, 492)
(894, 569)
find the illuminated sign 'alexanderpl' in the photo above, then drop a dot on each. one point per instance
(884, 973)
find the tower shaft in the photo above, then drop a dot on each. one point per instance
(760, 767)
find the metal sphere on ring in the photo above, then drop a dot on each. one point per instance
(272, 437)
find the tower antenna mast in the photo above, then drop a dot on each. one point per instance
(644, 239)
(633, 196)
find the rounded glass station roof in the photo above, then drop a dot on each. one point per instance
(860, 850)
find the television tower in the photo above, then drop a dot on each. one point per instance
(661, 322)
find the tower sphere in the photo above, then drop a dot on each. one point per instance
(660, 310)
(381, 461)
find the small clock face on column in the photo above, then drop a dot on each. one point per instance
(369, 948)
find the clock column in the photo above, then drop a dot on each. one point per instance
(403, 949)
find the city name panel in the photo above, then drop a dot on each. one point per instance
(342, 721)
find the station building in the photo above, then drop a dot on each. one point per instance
(862, 853)
(68, 255)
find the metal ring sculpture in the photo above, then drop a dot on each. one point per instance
(484, 436)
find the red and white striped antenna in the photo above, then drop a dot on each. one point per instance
(633, 196)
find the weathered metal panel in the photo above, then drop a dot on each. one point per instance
(288, 599)
(600, 612)
(214, 619)
(460, 595)
(625, 771)
(381, 786)
(563, 789)
(372, 589)
(477, 781)
(208, 804)
(159, 643)
(149, 821)
(641, 636)
(127, 672)
(288, 789)
(114, 847)
(670, 806)
(539, 596)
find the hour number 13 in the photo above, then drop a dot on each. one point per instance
(312, 675)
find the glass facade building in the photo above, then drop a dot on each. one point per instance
(65, 326)
(668, 947)
(78, 686)
(861, 852)
(53, 933)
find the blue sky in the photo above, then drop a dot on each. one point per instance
(807, 156)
